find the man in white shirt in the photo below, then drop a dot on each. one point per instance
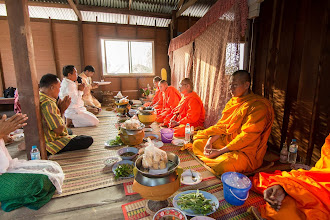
(76, 111)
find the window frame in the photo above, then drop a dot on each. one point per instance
(104, 58)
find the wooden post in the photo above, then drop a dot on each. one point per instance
(189, 21)
(174, 25)
(98, 49)
(55, 54)
(81, 44)
(26, 73)
(2, 80)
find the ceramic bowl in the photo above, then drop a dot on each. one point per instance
(128, 150)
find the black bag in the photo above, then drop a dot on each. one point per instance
(9, 93)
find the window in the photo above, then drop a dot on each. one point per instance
(232, 58)
(125, 57)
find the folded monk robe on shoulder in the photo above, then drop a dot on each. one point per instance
(238, 142)
(189, 110)
(171, 99)
(306, 193)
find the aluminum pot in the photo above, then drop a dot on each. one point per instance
(145, 178)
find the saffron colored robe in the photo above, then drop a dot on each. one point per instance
(189, 110)
(157, 100)
(171, 99)
(308, 191)
(244, 128)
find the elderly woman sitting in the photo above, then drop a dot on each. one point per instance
(25, 183)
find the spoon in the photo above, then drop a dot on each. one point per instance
(193, 177)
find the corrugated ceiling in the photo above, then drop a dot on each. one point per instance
(155, 6)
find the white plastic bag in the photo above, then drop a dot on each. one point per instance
(153, 157)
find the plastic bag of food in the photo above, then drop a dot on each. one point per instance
(123, 100)
(119, 95)
(132, 124)
(153, 157)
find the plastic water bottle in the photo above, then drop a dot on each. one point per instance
(284, 154)
(187, 133)
(293, 151)
(35, 154)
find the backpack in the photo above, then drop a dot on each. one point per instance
(9, 92)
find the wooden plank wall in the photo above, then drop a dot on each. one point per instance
(67, 50)
(290, 69)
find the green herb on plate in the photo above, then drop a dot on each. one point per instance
(116, 141)
(123, 170)
(196, 202)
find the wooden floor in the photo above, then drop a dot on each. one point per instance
(98, 204)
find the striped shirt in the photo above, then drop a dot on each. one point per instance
(51, 119)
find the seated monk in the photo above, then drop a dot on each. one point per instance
(299, 194)
(171, 98)
(157, 100)
(189, 110)
(238, 142)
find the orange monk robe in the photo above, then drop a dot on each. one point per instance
(308, 192)
(171, 99)
(157, 100)
(189, 110)
(244, 128)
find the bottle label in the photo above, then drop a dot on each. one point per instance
(293, 149)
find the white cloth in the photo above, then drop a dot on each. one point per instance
(49, 168)
(76, 111)
(82, 118)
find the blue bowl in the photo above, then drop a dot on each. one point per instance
(126, 150)
(114, 167)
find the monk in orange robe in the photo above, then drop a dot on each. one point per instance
(189, 110)
(238, 142)
(171, 99)
(298, 194)
(157, 101)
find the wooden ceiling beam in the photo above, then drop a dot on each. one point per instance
(80, 7)
(185, 7)
(123, 11)
(180, 4)
(75, 9)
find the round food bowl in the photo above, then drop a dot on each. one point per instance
(114, 167)
(170, 213)
(110, 161)
(128, 150)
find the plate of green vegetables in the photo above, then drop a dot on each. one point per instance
(123, 169)
(196, 203)
(114, 142)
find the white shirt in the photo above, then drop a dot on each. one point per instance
(68, 87)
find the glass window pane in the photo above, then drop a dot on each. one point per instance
(141, 54)
(117, 57)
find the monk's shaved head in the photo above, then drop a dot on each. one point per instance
(163, 82)
(186, 86)
(240, 83)
(157, 79)
(188, 82)
(163, 85)
(243, 75)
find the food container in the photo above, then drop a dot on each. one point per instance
(157, 187)
(147, 115)
(131, 137)
(132, 150)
